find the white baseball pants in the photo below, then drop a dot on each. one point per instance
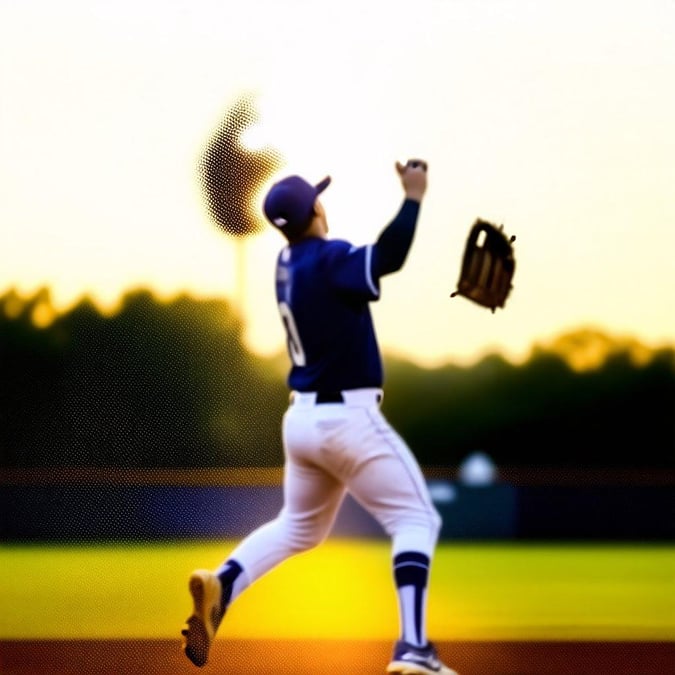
(331, 448)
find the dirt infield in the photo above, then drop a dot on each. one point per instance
(164, 657)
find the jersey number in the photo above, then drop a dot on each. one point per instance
(295, 349)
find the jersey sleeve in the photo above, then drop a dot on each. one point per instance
(393, 244)
(350, 269)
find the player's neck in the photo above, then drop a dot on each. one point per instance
(318, 228)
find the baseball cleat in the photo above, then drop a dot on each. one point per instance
(411, 660)
(198, 635)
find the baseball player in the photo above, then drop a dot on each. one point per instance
(335, 437)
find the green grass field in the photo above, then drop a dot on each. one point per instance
(343, 590)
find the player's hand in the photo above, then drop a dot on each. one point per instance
(413, 176)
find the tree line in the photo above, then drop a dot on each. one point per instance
(171, 384)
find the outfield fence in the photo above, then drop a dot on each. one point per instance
(87, 504)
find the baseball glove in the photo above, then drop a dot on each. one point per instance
(487, 267)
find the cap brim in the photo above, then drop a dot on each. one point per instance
(320, 187)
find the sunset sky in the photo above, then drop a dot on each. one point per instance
(553, 118)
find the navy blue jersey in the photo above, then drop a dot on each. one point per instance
(323, 289)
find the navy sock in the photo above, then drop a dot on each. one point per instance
(411, 573)
(227, 578)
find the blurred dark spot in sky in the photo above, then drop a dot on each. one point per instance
(231, 175)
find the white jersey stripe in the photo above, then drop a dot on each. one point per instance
(369, 271)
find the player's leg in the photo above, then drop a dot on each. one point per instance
(389, 484)
(390, 489)
(311, 500)
(312, 497)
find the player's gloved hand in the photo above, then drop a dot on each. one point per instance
(413, 176)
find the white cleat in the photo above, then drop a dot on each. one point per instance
(411, 660)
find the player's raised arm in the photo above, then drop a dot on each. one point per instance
(393, 244)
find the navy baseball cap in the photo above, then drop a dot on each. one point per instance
(289, 204)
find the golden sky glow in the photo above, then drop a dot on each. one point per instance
(553, 118)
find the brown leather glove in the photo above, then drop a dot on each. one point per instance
(487, 267)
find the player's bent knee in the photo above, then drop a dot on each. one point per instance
(436, 522)
(428, 521)
(302, 537)
(304, 542)
(416, 532)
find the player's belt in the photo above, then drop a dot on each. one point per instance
(329, 397)
(364, 396)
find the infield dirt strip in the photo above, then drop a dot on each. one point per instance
(246, 657)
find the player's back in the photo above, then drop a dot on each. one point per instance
(323, 288)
